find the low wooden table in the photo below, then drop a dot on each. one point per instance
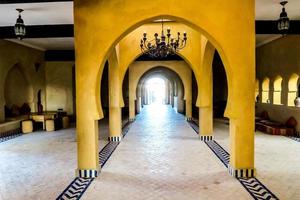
(42, 117)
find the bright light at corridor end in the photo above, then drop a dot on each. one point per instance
(156, 90)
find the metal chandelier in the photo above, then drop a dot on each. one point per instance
(163, 46)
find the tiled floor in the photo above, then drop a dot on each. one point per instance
(39, 165)
(162, 158)
(277, 160)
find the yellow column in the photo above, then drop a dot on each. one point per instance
(87, 148)
(115, 114)
(139, 104)
(87, 115)
(188, 97)
(132, 96)
(205, 92)
(206, 123)
(115, 125)
(188, 109)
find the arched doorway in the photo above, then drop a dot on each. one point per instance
(204, 20)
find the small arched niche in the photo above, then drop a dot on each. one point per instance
(17, 90)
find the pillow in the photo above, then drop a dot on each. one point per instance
(264, 115)
(291, 122)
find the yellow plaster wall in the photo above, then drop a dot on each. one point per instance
(17, 89)
(12, 54)
(59, 86)
(172, 81)
(138, 68)
(279, 58)
(96, 35)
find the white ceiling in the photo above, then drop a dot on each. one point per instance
(270, 9)
(62, 13)
(37, 13)
(44, 44)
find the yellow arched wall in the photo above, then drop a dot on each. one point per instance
(205, 89)
(18, 89)
(191, 53)
(138, 68)
(175, 86)
(96, 35)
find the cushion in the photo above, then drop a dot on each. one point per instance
(15, 110)
(264, 115)
(291, 122)
(25, 109)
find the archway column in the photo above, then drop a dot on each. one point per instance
(240, 110)
(132, 95)
(138, 104)
(205, 94)
(188, 97)
(88, 113)
(206, 123)
(2, 101)
(115, 113)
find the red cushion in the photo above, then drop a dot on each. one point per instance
(291, 122)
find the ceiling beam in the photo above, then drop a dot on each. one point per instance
(67, 30)
(30, 1)
(59, 55)
(270, 27)
(40, 31)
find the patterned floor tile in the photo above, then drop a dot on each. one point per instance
(10, 135)
(255, 188)
(79, 185)
(297, 139)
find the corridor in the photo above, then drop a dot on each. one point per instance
(161, 157)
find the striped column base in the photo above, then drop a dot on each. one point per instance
(115, 139)
(241, 173)
(206, 138)
(87, 173)
(131, 120)
(189, 119)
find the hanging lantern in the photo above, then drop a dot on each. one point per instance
(283, 21)
(20, 29)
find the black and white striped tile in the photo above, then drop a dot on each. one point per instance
(194, 126)
(206, 138)
(76, 189)
(126, 128)
(297, 139)
(106, 152)
(115, 139)
(255, 188)
(221, 153)
(8, 135)
(79, 185)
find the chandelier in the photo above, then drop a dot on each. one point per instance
(163, 46)
(283, 21)
(20, 30)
